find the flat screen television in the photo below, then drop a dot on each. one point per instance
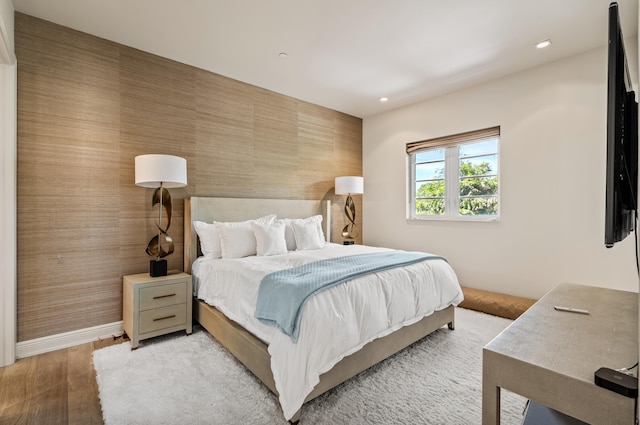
(622, 140)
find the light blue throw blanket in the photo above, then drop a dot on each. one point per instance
(282, 294)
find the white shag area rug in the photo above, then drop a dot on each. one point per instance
(179, 379)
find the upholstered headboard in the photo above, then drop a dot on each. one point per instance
(208, 210)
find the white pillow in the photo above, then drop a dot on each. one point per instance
(290, 238)
(306, 234)
(270, 238)
(288, 233)
(209, 239)
(237, 239)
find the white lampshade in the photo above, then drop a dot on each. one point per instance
(349, 185)
(151, 170)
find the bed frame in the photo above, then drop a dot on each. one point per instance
(251, 351)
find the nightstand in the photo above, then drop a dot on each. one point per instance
(154, 306)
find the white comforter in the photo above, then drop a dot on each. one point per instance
(335, 322)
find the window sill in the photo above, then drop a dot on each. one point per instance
(475, 218)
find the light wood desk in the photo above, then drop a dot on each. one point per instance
(550, 356)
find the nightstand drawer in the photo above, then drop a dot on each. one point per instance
(160, 318)
(163, 295)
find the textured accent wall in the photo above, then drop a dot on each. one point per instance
(87, 107)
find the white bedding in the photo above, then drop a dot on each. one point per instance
(335, 322)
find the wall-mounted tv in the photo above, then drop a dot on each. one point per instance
(622, 140)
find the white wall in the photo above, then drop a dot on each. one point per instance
(553, 126)
(6, 15)
(7, 185)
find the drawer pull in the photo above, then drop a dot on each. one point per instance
(163, 318)
(164, 296)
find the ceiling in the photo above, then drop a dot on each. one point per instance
(346, 54)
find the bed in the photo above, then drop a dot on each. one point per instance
(252, 347)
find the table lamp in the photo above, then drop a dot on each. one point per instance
(160, 172)
(349, 185)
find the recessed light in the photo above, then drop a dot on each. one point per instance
(383, 99)
(543, 44)
(283, 55)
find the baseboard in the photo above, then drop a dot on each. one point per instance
(67, 339)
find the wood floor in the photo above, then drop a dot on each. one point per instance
(52, 388)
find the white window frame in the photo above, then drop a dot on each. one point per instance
(452, 182)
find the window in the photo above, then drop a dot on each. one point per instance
(456, 177)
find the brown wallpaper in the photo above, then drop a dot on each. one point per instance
(87, 107)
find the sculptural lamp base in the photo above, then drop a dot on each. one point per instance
(158, 268)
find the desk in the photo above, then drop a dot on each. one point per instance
(550, 356)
